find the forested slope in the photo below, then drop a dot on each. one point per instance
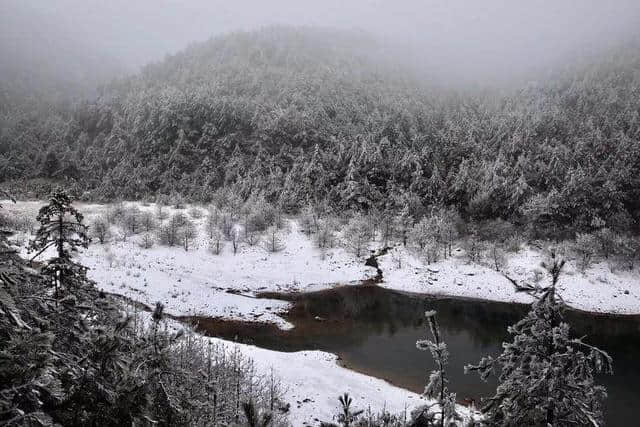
(304, 115)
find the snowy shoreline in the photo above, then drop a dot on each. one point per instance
(198, 283)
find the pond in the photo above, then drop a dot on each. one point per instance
(374, 330)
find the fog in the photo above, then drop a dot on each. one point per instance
(490, 40)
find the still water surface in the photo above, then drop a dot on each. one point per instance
(374, 331)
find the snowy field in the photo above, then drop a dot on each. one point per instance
(197, 282)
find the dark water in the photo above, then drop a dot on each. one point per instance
(374, 331)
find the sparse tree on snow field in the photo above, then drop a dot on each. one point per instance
(131, 220)
(211, 223)
(146, 241)
(61, 228)
(147, 221)
(396, 256)
(195, 212)
(356, 236)
(498, 256)
(100, 229)
(161, 212)
(545, 376)
(422, 234)
(226, 225)
(629, 248)
(187, 233)
(169, 234)
(235, 239)
(606, 239)
(216, 243)
(326, 236)
(436, 387)
(273, 240)
(403, 224)
(387, 227)
(115, 213)
(450, 221)
(585, 247)
(252, 237)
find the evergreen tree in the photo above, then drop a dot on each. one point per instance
(61, 228)
(546, 377)
(437, 386)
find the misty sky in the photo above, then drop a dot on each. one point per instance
(463, 38)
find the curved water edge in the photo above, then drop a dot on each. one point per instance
(373, 330)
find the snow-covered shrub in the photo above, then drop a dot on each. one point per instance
(215, 243)
(497, 256)
(325, 238)
(226, 225)
(628, 248)
(161, 212)
(355, 235)
(146, 241)
(474, 249)
(169, 233)
(607, 240)
(115, 213)
(187, 232)
(585, 249)
(131, 219)
(100, 229)
(147, 221)
(195, 212)
(273, 241)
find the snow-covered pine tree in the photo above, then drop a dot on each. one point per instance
(61, 228)
(546, 377)
(436, 388)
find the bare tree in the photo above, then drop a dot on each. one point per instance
(235, 239)
(498, 256)
(169, 234)
(147, 221)
(273, 240)
(213, 217)
(161, 212)
(100, 229)
(187, 232)
(146, 241)
(131, 219)
(325, 238)
(216, 243)
(356, 235)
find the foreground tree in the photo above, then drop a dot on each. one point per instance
(61, 228)
(436, 388)
(546, 377)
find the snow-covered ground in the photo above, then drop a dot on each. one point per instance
(196, 282)
(597, 290)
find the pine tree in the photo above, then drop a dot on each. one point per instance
(61, 228)
(546, 377)
(437, 386)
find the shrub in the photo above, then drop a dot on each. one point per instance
(474, 249)
(147, 221)
(100, 229)
(273, 240)
(585, 248)
(195, 212)
(147, 241)
(216, 243)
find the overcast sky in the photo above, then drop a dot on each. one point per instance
(488, 37)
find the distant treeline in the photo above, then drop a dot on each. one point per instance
(301, 116)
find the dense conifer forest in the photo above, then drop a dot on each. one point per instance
(304, 115)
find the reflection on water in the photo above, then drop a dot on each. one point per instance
(374, 331)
